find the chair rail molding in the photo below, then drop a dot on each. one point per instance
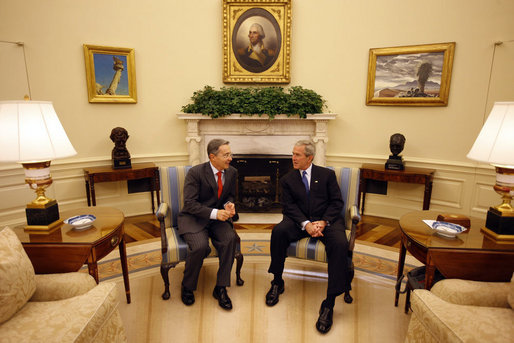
(253, 134)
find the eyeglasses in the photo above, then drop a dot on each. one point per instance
(226, 156)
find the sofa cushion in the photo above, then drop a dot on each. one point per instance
(17, 277)
(84, 318)
(447, 322)
(51, 287)
(474, 293)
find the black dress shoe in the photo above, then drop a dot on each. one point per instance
(188, 297)
(324, 322)
(220, 293)
(273, 293)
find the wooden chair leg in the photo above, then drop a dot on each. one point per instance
(165, 268)
(407, 298)
(239, 265)
(347, 297)
(166, 279)
(239, 261)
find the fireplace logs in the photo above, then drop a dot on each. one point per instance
(258, 183)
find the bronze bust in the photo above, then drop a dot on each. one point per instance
(120, 154)
(396, 145)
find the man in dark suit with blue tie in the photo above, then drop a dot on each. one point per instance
(312, 206)
(209, 192)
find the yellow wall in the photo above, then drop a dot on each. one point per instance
(178, 49)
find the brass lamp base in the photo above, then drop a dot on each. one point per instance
(498, 238)
(43, 218)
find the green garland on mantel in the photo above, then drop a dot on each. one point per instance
(255, 101)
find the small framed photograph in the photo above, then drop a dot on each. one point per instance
(256, 41)
(416, 75)
(110, 74)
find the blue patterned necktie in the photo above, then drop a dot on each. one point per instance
(305, 182)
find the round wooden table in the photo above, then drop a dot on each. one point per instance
(470, 256)
(66, 249)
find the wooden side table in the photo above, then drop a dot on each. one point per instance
(378, 172)
(67, 250)
(469, 256)
(107, 174)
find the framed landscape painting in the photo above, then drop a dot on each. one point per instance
(417, 75)
(110, 74)
(256, 41)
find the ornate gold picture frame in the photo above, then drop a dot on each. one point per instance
(256, 41)
(110, 74)
(417, 75)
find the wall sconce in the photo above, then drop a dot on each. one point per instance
(495, 145)
(31, 134)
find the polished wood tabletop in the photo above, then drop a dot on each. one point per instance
(413, 226)
(107, 220)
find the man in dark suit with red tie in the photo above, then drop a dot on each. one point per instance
(312, 206)
(209, 192)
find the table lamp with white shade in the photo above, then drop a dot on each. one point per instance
(31, 134)
(495, 145)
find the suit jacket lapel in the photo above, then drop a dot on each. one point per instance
(228, 179)
(208, 174)
(314, 178)
(299, 181)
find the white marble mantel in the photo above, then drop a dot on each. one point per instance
(250, 135)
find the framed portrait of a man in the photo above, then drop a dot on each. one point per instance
(256, 41)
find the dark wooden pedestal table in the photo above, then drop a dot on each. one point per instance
(107, 174)
(66, 249)
(378, 172)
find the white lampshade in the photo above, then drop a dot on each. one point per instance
(30, 131)
(495, 143)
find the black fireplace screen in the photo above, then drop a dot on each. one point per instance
(258, 182)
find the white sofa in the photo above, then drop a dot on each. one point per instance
(463, 311)
(67, 307)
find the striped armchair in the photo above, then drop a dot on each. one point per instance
(313, 249)
(173, 247)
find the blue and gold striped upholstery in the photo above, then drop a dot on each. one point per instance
(172, 186)
(313, 249)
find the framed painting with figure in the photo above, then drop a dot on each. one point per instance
(110, 74)
(256, 41)
(417, 75)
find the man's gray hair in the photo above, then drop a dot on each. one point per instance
(214, 145)
(310, 148)
(259, 29)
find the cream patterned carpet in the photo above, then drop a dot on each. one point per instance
(368, 257)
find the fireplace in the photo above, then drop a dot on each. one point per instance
(256, 135)
(262, 150)
(258, 182)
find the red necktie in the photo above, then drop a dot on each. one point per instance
(220, 184)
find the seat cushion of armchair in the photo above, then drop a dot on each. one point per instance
(91, 317)
(436, 320)
(177, 247)
(309, 248)
(475, 293)
(50, 287)
(17, 277)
